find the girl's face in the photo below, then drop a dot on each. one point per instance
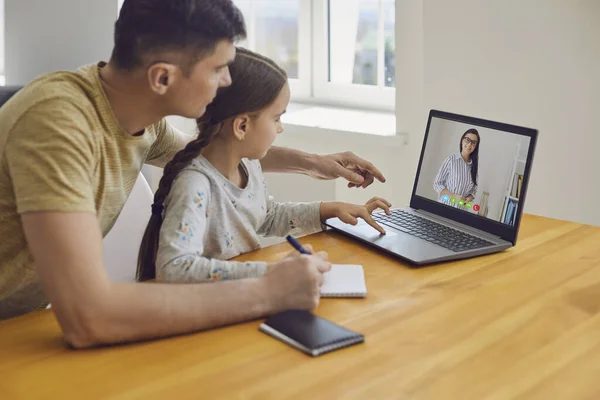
(263, 129)
(469, 143)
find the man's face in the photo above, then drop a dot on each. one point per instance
(199, 89)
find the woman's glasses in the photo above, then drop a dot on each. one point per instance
(470, 141)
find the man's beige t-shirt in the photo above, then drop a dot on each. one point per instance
(62, 149)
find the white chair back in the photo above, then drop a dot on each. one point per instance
(121, 245)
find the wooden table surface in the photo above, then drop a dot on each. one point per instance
(523, 323)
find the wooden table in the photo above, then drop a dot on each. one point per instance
(523, 323)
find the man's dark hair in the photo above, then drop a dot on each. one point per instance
(193, 26)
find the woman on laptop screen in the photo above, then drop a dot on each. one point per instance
(456, 180)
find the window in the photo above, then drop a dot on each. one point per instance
(274, 30)
(277, 29)
(336, 52)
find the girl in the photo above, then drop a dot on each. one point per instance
(212, 202)
(456, 181)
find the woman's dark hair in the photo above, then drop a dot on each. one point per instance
(194, 26)
(256, 83)
(474, 154)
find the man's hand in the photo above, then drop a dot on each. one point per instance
(347, 165)
(349, 213)
(295, 281)
(309, 248)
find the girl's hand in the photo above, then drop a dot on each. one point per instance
(349, 213)
(379, 202)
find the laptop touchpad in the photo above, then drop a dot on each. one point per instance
(366, 231)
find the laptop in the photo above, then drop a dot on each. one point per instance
(467, 197)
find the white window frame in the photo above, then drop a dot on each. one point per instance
(352, 95)
(313, 85)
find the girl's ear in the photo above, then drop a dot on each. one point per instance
(241, 125)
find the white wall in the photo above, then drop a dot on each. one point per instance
(44, 36)
(525, 62)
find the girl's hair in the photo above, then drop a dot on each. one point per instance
(256, 83)
(474, 154)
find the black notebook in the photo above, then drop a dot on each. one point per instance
(309, 333)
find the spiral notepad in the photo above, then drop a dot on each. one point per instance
(344, 281)
(309, 333)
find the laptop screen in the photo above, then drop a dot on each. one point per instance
(474, 169)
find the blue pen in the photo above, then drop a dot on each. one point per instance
(295, 244)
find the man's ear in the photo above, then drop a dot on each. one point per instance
(162, 76)
(241, 124)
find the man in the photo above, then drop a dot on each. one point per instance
(72, 145)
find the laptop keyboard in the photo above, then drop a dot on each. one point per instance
(451, 239)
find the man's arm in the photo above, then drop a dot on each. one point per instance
(92, 310)
(357, 171)
(347, 165)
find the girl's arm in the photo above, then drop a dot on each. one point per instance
(285, 218)
(180, 255)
